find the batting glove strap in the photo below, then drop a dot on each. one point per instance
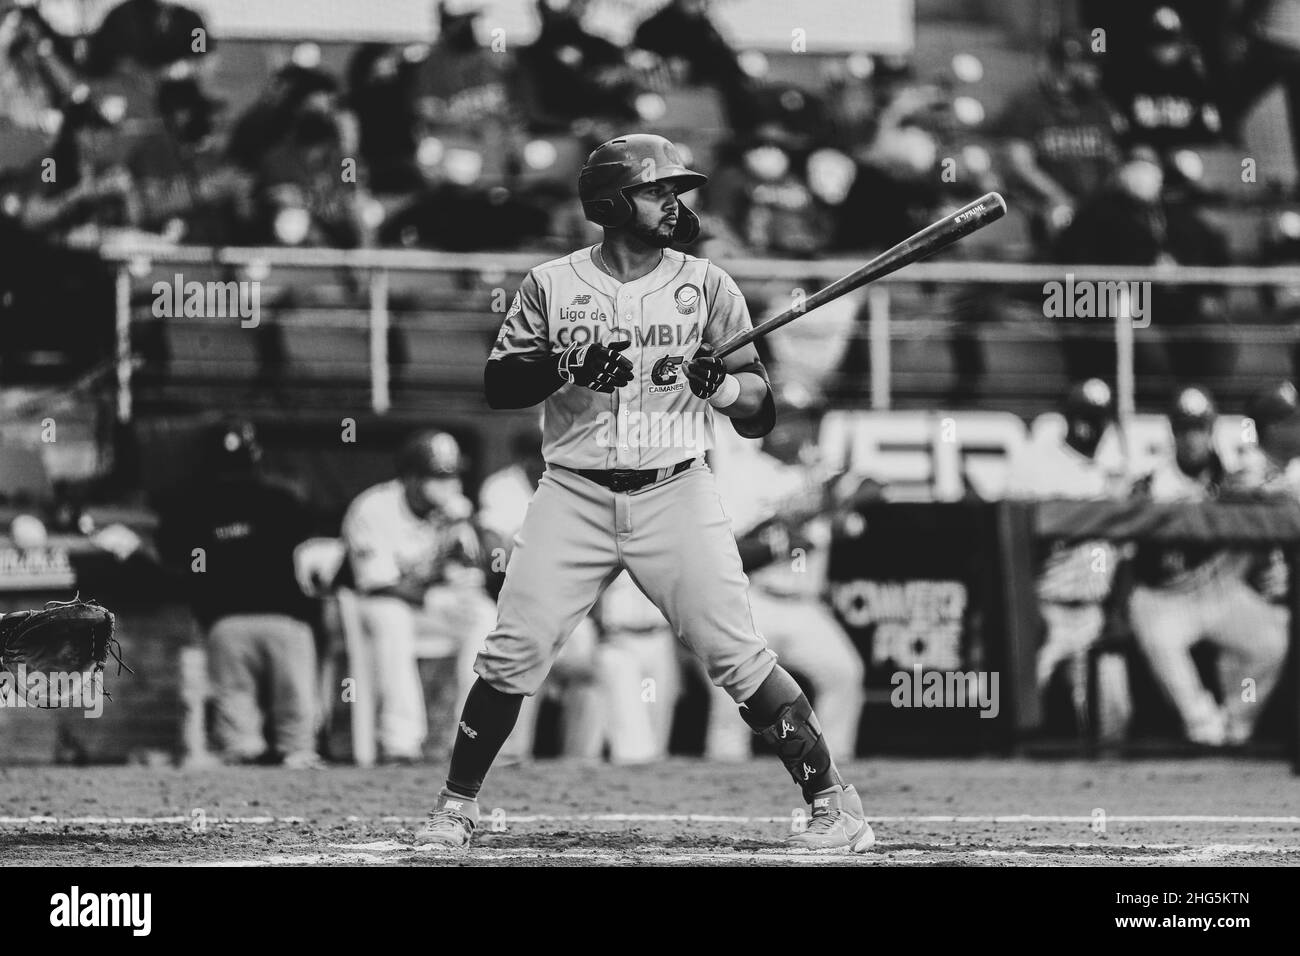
(571, 360)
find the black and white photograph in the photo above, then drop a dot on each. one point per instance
(487, 435)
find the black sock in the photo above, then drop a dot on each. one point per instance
(485, 723)
(780, 712)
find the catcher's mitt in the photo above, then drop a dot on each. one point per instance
(63, 638)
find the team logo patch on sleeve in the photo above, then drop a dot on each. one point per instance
(516, 307)
(687, 298)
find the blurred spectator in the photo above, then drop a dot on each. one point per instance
(571, 75)
(461, 84)
(231, 536)
(1189, 593)
(780, 497)
(1269, 55)
(762, 193)
(182, 185)
(1164, 91)
(1130, 223)
(294, 89)
(416, 562)
(304, 193)
(1061, 137)
(148, 33)
(895, 192)
(683, 35)
(1075, 581)
(380, 80)
(462, 218)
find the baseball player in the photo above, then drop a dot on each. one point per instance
(416, 566)
(1188, 593)
(778, 493)
(1075, 580)
(617, 340)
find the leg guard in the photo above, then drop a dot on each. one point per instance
(797, 737)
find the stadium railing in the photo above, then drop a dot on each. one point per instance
(1022, 349)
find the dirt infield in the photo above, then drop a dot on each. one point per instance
(682, 812)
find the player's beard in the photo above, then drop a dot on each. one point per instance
(660, 236)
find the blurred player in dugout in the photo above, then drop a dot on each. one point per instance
(231, 537)
(1075, 585)
(417, 566)
(780, 496)
(1189, 593)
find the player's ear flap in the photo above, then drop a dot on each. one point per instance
(688, 225)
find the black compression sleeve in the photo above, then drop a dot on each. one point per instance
(518, 382)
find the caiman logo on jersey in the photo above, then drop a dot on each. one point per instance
(663, 377)
(687, 298)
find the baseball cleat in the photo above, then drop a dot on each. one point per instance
(838, 823)
(451, 823)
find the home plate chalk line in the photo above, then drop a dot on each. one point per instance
(213, 819)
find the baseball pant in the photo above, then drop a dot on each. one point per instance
(1071, 630)
(1250, 634)
(390, 635)
(575, 679)
(808, 640)
(675, 541)
(251, 655)
(640, 681)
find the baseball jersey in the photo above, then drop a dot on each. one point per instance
(388, 542)
(1189, 567)
(1069, 573)
(655, 420)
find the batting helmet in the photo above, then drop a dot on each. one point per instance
(234, 445)
(629, 161)
(1275, 404)
(1090, 400)
(1193, 408)
(429, 454)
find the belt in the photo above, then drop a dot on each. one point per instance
(630, 479)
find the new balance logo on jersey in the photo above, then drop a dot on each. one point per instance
(470, 732)
(581, 299)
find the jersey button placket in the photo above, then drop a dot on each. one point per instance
(628, 457)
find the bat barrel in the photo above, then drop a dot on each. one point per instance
(938, 235)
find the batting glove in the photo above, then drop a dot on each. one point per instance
(597, 367)
(705, 372)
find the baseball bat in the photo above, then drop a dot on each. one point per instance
(976, 215)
